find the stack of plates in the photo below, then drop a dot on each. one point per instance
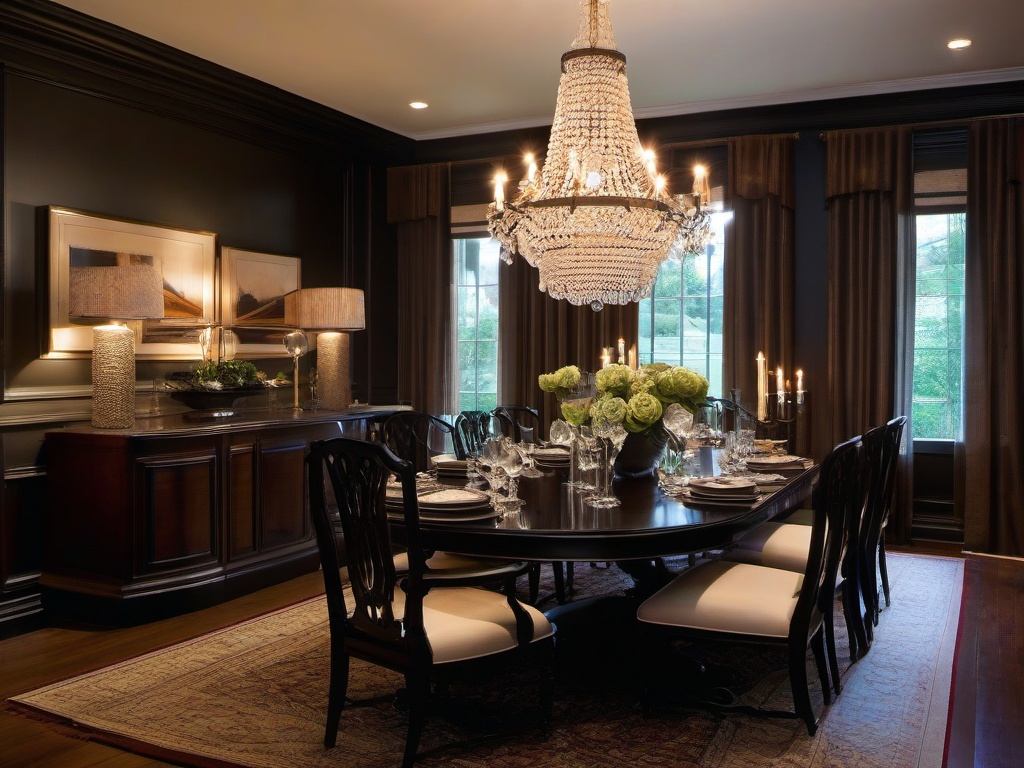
(449, 505)
(450, 470)
(783, 464)
(721, 491)
(551, 457)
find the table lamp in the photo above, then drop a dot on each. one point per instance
(333, 312)
(124, 292)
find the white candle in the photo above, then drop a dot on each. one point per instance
(531, 173)
(499, 191)
(701, 185)
(780, 385)
(622, 351)
(762, 388)
(799, 386)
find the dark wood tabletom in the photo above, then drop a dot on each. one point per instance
(646, 525)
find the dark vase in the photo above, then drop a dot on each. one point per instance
(641, 452)
(215, 403)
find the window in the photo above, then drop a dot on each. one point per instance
(938, 326)
(681, 324)
(940, 220)
(476, 321)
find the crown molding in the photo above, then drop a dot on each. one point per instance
(967, 79)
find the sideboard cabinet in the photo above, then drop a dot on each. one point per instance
(172, 515)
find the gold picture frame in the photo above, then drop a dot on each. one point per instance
(252, 290)
(186, 259)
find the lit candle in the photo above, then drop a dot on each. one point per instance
(780, 385)
(622, 351)
(499, 191)
(606, 357)
(762, 387)
(649, 161)
(701, 185)
(632, 357)
(799, 386)
(659, 184)
(531, 173)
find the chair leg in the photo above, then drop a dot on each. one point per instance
(854, 622)
(798, 682)
(882, 568)
(419, 693)
(833, 659)
(533, 578)
(570, 572)
(336, 697)
(818, 648)
(556, 570)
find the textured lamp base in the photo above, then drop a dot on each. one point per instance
(113, 377)
(332, 353)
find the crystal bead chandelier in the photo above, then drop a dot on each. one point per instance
(597, 221)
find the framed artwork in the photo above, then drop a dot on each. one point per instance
(253, 287)
(185, 258)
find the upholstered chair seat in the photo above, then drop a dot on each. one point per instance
(774, 545)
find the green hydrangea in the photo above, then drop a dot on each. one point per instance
(681, 385)
(615, 380)
(609, 408)
(642, 411)
(576, 412)
(560, 382)
(644, 383)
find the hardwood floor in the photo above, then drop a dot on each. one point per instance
(987, 708)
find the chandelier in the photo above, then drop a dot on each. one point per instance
(597, 221)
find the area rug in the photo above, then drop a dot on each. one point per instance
(254, 695)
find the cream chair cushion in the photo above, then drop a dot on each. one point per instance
(800, 517)
(466, 622)
(727, 597)
(775, 545)
(446, 561)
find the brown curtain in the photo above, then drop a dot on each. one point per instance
(759, 261)
(540, 334)
(420, 211)
(993, 339)
(870, 205)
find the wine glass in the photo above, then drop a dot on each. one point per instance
(512, 462)
(297, 345)
(609, 437)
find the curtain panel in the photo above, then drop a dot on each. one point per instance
(539, 334)
(419, 209)
(759, 304)
(870, 209)
(993, 339)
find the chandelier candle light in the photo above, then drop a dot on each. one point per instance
(597, 221)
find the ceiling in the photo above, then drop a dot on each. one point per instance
(486, 65)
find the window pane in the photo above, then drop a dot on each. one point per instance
(475, 263)
(938, 326)
(682, 324)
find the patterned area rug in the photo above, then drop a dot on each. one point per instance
(255, 695)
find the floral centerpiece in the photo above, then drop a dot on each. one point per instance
(636, 399)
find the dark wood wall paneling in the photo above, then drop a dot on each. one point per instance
(107, 121)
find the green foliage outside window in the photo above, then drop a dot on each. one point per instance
(938, 326)
(476, 322)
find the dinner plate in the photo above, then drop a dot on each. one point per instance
(701, 501)
(776, 460)
(448, 461)
(727, 485)
(452, 498)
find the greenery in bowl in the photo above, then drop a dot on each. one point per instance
(214, 377)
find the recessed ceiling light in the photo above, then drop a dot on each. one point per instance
(960, 42)
(418, 104)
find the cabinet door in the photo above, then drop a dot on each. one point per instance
(282, 519)
(178, 504)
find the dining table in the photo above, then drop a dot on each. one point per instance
(557, 524)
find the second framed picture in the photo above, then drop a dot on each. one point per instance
(252, 290)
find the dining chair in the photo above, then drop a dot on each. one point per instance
(430, 627)
(474, 427)
(739, 602)
(873, 541)
(519, 422)
(785, 545)
(416, 437)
